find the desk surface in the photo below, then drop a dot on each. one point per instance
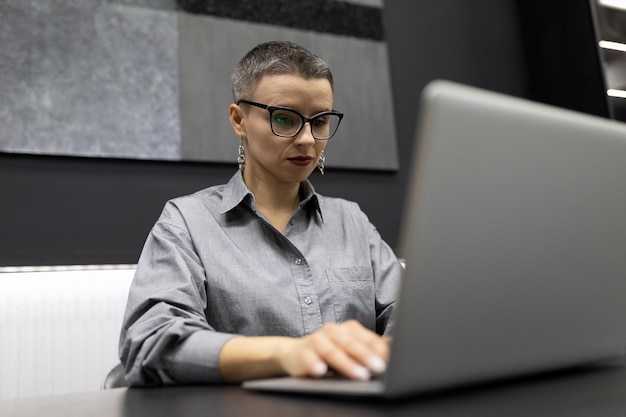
(590, 392)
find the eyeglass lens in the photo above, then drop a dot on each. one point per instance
(288, 123)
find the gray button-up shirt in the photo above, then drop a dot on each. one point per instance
(213, 267)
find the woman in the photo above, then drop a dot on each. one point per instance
(262, 276)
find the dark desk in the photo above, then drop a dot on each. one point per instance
(593, 393)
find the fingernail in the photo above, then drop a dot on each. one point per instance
(320, 368)
(361, 373)
(377, 365)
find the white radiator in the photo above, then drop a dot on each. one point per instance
(59, 329)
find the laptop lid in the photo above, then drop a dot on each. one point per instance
(515, 240)
(514, 233)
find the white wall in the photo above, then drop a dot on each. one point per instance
(59, 329)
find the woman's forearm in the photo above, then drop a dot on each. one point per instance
(245, 358)
(347, 348)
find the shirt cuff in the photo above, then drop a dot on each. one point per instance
(196, 360)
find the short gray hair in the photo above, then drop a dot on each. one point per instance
(276, 58)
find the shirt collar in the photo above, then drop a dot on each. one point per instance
(236, 192)
(310, 197)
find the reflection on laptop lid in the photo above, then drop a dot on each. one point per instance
(514, 234)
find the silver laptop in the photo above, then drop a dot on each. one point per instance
(515, 241)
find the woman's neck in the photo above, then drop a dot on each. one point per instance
(276, 199)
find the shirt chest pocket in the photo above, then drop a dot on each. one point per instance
(353, 294)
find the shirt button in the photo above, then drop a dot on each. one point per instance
(298, 261)
(307, 300)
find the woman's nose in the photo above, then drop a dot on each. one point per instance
(305, 137)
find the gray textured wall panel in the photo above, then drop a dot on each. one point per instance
(113, 78)
(88, 78)
(209, 50)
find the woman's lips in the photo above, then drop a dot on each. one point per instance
(301, 161)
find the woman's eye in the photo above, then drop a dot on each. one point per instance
(282, 120)
(319, 122)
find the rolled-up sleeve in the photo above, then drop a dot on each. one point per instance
(165, 337)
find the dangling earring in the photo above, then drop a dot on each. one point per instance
(320, 162)
(241, 159)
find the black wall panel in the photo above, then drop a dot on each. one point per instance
(64, 210)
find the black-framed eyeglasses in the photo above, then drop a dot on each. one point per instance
(287, 122)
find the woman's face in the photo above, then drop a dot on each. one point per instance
(276, 160)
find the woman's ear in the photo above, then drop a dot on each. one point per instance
(236, 117)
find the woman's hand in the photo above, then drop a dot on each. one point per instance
(347, 348)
